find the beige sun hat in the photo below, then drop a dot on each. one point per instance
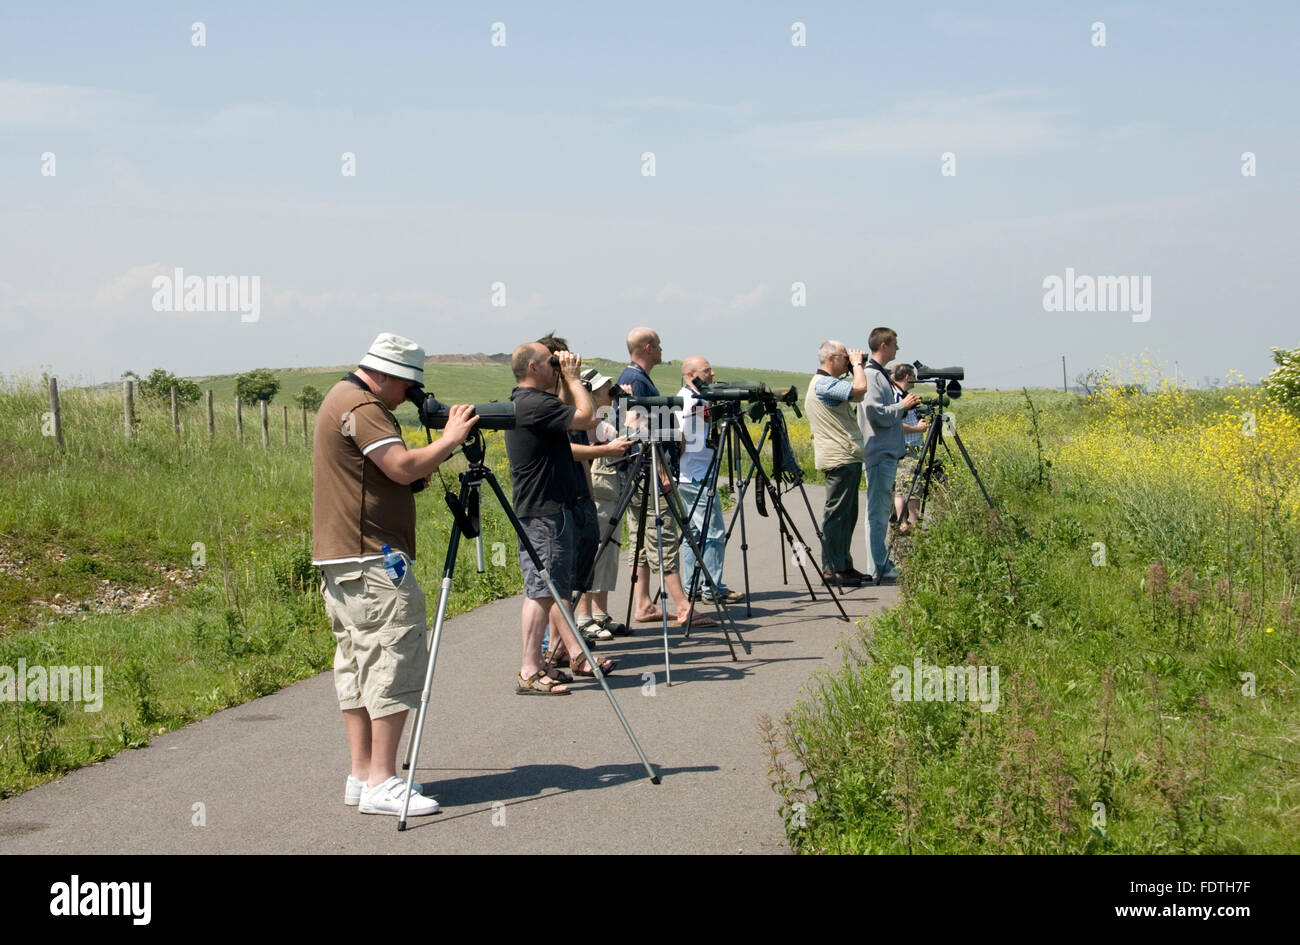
(595, 380)
(395, 355)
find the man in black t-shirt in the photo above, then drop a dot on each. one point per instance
(545, 488)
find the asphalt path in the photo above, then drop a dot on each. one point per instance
(512, 774)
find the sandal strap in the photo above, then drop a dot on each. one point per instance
(535, 682)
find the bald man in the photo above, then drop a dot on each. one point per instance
(645, 353)
(698, 448)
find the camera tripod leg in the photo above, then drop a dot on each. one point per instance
(697, 549)
(733, 446)
(449, 568)
(636, 551)
(653, 484)
(568, 618)
(707, 494)
(973, 471)
(444, 593)
(783, 515)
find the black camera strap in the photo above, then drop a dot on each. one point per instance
(872, 362)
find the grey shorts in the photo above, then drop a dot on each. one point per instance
(553, 537)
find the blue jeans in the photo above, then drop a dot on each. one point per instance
(880, 503)
(715, 542)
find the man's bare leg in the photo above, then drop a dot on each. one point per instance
(644, 608)
(558, 626)
(682, 603)
(673, 584)
(385, 733)
(534, 617)
(357, 722)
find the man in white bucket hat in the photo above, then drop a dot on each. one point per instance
(362, 500)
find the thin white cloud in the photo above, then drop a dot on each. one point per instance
(992, 125)
(743, 301)
(672, 292)
(128, 288)
(46, 104)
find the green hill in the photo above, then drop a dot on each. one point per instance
(481, 382)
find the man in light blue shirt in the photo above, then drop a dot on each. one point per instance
(880, 415)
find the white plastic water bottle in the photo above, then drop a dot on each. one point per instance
(394, 564)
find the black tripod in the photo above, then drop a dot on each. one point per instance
(644, 481)
(465, 510)
(928, 467)
(735, 441)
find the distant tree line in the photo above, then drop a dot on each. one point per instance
(251, 386)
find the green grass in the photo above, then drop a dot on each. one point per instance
(249, 619)
(1123, 726)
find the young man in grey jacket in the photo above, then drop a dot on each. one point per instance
(880, 414)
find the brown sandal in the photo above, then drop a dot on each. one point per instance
(533, 686)
(559, 675)
(606, 667)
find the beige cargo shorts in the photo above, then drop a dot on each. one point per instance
(379, 630)
(650, 546)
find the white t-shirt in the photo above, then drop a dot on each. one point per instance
(692, 418)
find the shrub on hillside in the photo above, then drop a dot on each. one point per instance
(309, 397)
(260, 384)
(158, 386)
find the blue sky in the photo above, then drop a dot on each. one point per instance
(521, 164)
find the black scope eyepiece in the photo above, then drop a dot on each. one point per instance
(629, 402)
(950, 374)
(747, 390)
(731, 390)
(927, 373)
(495, 415)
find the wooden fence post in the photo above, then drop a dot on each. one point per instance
(212, 421)
(176, 416)
(266, 428)
(304, 424)
(128, 405)
(57, 414)
(239, 419)
(286, 424)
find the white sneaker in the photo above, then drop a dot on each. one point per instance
(352, 793)
(387, 798)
